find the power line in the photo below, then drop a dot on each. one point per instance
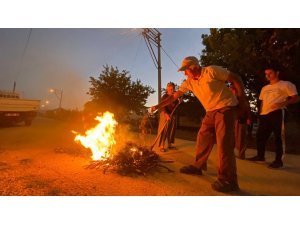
(170, 58)
(152, 37)
(23, 53)
(136, 53)
(150, 49)
(153, 56)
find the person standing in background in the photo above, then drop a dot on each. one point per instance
(275, 97)
(167, 120)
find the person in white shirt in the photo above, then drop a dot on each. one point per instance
(275, 97)
(208, 85)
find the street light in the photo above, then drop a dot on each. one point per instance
(152, 37)
(58, 93)
(45, 104)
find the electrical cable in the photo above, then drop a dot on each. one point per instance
(169, 57)
(23, 53)
(147, 43)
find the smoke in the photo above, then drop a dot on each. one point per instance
(123, 136)
(40, 74)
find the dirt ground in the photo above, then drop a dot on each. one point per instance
(43, 160)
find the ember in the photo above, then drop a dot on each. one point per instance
(131, 159)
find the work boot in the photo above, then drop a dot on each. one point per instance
(162, 149)
(257, 159)
(191, 170)
(225, 186)
(276, 165)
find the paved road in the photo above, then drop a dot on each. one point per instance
(254, 178)
(44, 160)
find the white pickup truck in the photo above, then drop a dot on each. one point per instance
(15, 109)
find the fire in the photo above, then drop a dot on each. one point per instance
(100, 139)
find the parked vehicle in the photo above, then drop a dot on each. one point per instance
(14, 109)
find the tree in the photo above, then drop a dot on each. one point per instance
(247, 51)
(114, 91)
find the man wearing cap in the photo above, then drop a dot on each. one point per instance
(208, 85)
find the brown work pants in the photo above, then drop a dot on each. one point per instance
(218, 125)
(240, 138)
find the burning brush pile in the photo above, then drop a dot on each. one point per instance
(129, 159)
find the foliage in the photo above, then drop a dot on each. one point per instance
(247, 52)
(114, 91)
(61, 114)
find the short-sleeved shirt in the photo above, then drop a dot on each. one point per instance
(210, 88)
(275, 93)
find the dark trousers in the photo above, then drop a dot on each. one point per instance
(272, 122)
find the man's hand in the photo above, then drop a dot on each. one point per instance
(179, 100)
(168, 116)
(276, 106)
(152, 109)
(243, 107)
(249, 122)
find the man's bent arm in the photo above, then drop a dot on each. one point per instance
(291, 100)
(243, 106)
(238, 84)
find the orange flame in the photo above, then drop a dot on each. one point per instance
(100, 139)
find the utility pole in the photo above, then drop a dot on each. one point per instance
(152, 37)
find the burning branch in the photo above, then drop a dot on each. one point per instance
(131, 159)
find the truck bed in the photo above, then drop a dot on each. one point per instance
(18, 105)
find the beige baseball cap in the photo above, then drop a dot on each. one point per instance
(188, 61)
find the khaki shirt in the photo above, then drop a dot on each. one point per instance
(210, 88)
